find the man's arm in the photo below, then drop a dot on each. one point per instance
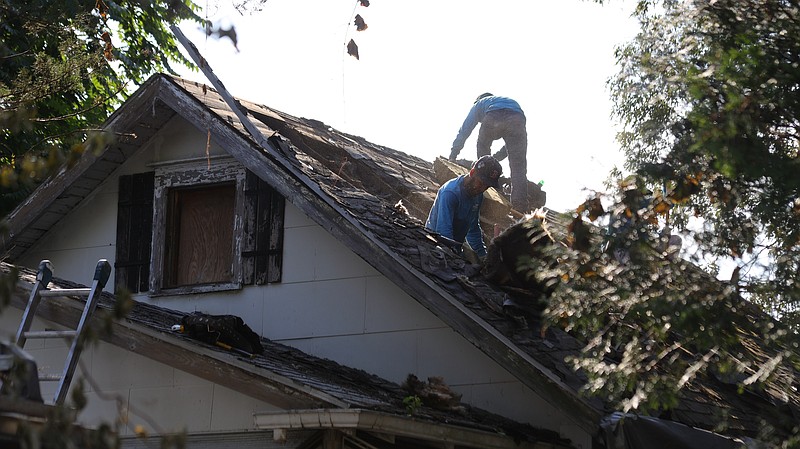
(475, 233)
(463, 133)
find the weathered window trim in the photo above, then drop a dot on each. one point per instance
(192, 173)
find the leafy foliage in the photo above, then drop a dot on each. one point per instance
(708, 92)
(64, 67)
(654, 325)
(412, 403)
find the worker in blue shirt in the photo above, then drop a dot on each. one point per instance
(500, 118)
(456, 210)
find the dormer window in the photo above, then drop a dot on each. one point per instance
(197, 226)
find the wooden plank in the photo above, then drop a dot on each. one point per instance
(85, 182)
(79, 190)
(30, 237)
(47, 220)
(61, 207)
(116, 155)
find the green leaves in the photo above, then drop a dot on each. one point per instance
(712, 90)
(655, 327)
(56, 77)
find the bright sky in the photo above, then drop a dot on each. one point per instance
(422, 65)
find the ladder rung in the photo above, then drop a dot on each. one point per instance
(66, 292)
(50, 334)
(92, 295)
(50, 377)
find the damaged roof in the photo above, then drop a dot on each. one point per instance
(351, 188)
(281, 375)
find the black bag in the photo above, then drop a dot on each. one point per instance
(226, 329)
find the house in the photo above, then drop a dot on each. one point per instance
(303, 237)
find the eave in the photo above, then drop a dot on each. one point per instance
(214, 366)
(132, 125)
(388, 427)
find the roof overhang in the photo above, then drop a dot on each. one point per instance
(215, 366)
(387, 427)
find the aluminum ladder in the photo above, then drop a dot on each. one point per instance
(40, 290)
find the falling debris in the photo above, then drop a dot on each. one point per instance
(108, 47)
(352, 49)
(218, 32)
(359, 23)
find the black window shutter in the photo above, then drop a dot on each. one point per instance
(134, 231)
(262, 247)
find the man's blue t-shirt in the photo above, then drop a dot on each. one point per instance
(456, 215)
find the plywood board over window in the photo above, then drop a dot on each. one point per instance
(199, 235)
(215, 226)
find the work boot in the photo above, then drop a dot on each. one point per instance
(519, 198)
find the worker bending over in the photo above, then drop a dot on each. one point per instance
(500, 118)
(456, 210)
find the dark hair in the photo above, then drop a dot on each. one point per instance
(483, 95)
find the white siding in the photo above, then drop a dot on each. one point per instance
(137, 391)
(330, 303)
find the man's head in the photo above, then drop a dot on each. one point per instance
(488, 171)
(483, 95)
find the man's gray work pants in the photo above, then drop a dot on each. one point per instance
(510, 126)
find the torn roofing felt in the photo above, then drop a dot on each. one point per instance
(350, 187)
(281, 375)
